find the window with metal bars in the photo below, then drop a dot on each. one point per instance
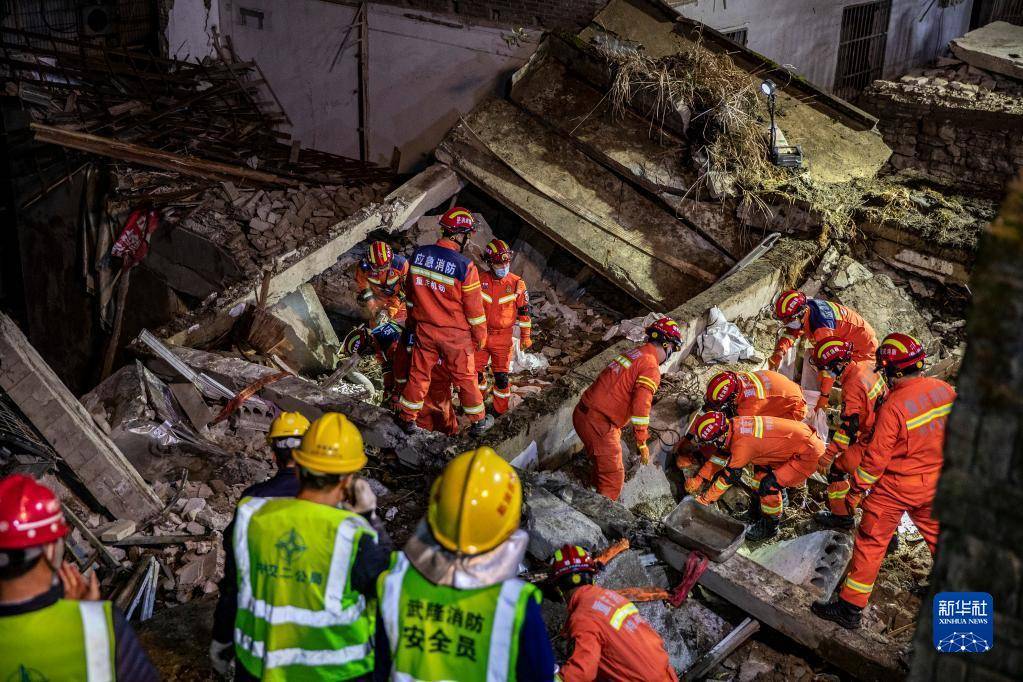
(861, 47)
(1008, 10)
(738, 35)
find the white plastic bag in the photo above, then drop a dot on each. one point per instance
(722, 341)
(816, 419)
(522, 361)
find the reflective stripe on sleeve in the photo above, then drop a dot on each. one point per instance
(647, 382)
(477, 320)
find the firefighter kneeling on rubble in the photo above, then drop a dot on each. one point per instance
(622, 395)
(380, 279)
(784, 453)
(307, 565)
(53, 625)
(450, 606)
(899, 468)
(611, 640)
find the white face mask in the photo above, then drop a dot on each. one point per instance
(501, 271)
(794, 324)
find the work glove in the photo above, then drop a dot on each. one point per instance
(824, 466)
(644, 453)
(361, 497)
(775, 360)
(526, 343)
(221, 655)
(694, 485)
(702, 499)
(383, 317)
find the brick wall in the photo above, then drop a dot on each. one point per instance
(972, 149)
(569, 15)
(980, 496)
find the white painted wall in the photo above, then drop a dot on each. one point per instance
(190, 25)
(805, 33)
(423, 72)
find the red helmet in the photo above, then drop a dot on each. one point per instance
(497, 251)
(709, 427)
(457, 220)
(788, 304)
(665, 330)
(831, 350)
(380, 255)
(357, 340)
(30, 514)
(571, 559)
(900, 352)
(722, 389)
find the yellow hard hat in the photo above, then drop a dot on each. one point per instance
(332, 445)
(287, 424)
(476, 502)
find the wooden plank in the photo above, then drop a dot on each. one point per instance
(155, 158)
(70, 429)
(785, 607)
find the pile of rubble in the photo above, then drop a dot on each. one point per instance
(952, 82)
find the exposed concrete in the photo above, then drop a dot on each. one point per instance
(397, 212)
(314, 343)
(996, 47)
(806, 33)
(785, 606)
(815, 561)
(648, 492)
(906, 251)
(70, 430)
(615, 521)
(552, 523)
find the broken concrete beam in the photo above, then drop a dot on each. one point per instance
(785, 606)
(116, 530)
(552, 523)
(997, 47)
(816, 560)
(614, 519)
(70, 430)
(648, 492)
(314, 343)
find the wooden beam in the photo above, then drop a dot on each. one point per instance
(69, 428)
(785, 606)
(364, 82)
(154, 158)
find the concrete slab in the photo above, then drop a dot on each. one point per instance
(816, 560)
(648, 492)
(69, 428)
(314, 343)
(996, 47)
(552, 523)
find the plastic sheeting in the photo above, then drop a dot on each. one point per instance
(722, 341)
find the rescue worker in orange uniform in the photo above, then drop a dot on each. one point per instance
(446, 309)
(612, 641)
(784, 453)
(506, 304)
(380, 279)
(863, 390)
(622, 395)
(744, 394)
(900, 468)
(816, 320)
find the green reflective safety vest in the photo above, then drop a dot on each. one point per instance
(438, 632)
(68, 640)
(298, 616)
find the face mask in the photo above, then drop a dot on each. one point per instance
(501, 271)
(794, 324)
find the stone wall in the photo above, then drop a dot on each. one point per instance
(973, 149)
(980, 503)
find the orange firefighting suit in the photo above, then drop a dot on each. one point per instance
(902, 462)
(863, 390)
(784, 453)
(622, 394)
(438, 413)
(443, 290)
(612, 641)
(384, 290)
(763, 394)
(823, 319)
(506, 304)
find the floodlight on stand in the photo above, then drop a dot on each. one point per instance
(781, 153)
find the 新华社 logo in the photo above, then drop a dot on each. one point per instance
(964, 622)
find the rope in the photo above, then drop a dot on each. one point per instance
(696, 564)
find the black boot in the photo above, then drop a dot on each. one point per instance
(479, 428)
(893, 545)
(839, 611)
(763, 529)
(834, 521)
